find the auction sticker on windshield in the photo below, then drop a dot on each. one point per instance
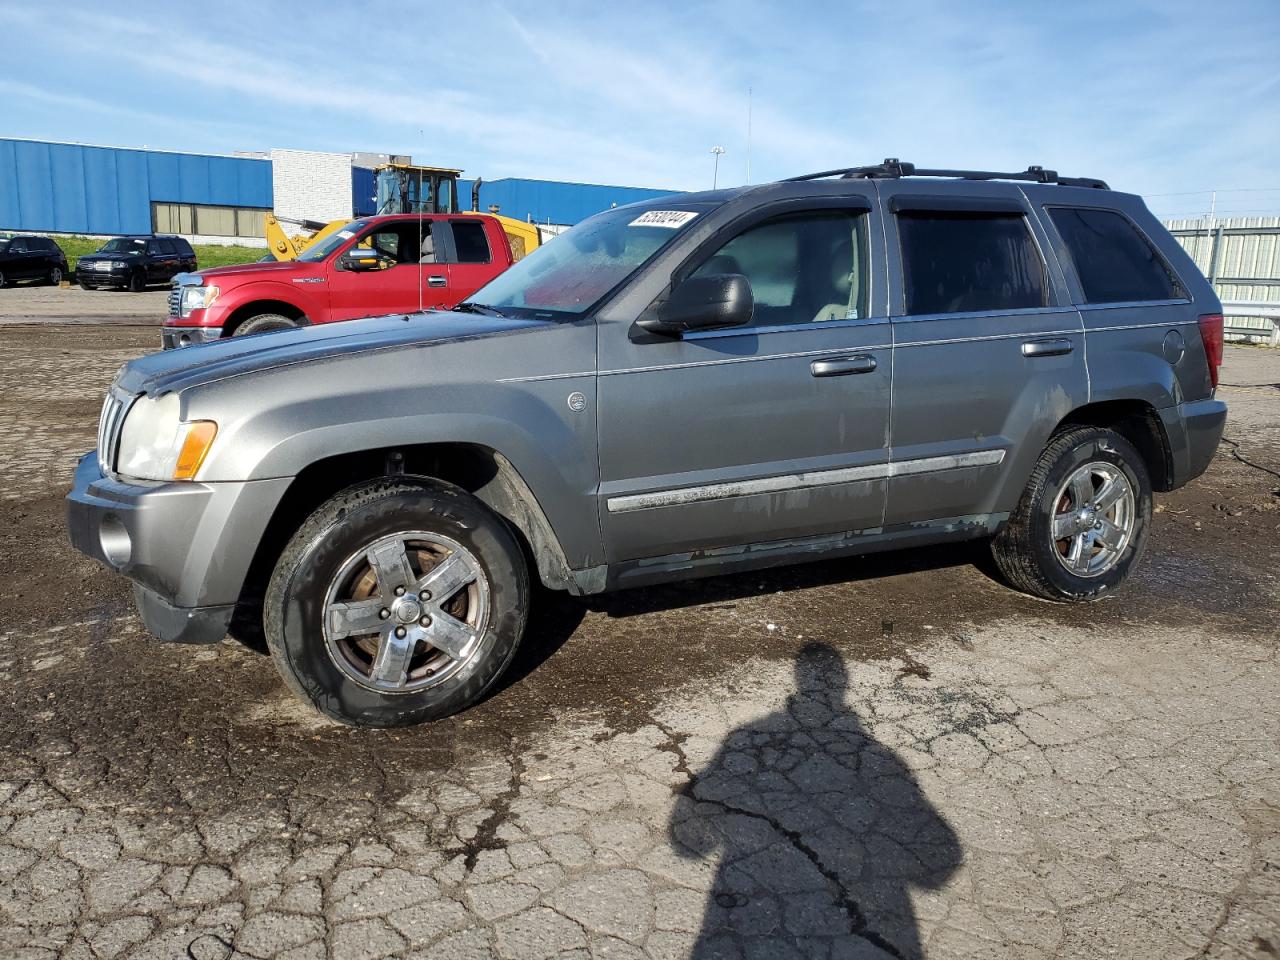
(672, 219)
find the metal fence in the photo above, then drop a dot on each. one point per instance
(1241, 258)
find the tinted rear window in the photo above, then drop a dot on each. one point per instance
(1114, 262)
(956, 262)
(469, 238)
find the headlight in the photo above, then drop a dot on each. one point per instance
(156, 445)
(117, 265)
(196, 298)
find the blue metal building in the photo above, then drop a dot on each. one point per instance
(50, 187)
(550, 201)
(73, 188)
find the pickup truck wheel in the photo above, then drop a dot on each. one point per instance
(263, 323)
(398, 601)
(1082, 522)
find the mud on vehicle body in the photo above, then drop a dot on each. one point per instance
(847, 362)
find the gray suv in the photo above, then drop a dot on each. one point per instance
(845, 362)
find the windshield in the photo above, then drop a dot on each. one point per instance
(318, 251)
(569, 273)
(124, 245)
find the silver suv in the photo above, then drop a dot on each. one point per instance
(850, 361)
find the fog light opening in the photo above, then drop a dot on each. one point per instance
(114, 538)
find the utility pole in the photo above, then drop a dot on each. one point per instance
(715, 174)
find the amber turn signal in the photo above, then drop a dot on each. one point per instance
(199, 439)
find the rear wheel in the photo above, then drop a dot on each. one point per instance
(263, 323)
(55, 276)
(1083, 519)
(398, 601)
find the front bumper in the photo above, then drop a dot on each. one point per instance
(1194, 429)
(186, 546)
(114, 278)
(174, 336)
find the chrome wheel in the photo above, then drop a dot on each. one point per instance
(1093, 519)
(406, 612)
(55, 277)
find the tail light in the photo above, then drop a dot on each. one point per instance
(1211, 337)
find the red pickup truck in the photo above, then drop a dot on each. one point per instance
(372, 266)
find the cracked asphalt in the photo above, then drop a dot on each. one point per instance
(881, 757)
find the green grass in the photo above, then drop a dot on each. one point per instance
(207, 255)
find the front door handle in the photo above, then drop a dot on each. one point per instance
(437, 282)
(842, 366)
(1046, 348)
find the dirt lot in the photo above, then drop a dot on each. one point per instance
(866, 758)
(29, 304)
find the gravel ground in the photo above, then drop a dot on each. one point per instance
(30, 304)
(875, 757)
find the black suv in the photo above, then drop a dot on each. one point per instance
(31, 258)
(134, 262)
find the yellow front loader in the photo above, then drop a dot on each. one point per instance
(402, 188)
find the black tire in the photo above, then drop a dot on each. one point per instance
(264, 323)
(86, 285)
(1025, 551)
(338, 531)
(3, 281)
(137, 282)
(55, 277)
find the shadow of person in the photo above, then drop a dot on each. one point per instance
(822, 832)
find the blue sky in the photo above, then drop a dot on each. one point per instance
(1162, 97)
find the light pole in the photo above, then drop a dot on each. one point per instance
(715, 174)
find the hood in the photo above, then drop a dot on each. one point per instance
(171, 370)
(89, 257)
(274, 270)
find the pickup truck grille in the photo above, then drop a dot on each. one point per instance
(175, 300)
(109, 425)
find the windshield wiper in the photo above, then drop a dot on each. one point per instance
(468, 306)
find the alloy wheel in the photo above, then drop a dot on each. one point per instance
(1093, 519)
(406, 612)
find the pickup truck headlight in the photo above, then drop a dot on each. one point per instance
(156, 445)
(196, 298)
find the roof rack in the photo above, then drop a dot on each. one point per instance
(893, 169)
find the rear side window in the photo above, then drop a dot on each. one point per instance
(1114, 262)
(471, 243)
(167, 247)
(182, 247)
(963, 262)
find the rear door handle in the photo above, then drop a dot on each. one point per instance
(1046, 348)
(437, 282)
(842, 366)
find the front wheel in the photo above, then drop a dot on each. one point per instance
(398, 601)
(263, 323)
(1082, 522)
(137, 282)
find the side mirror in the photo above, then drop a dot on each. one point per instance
(360, 259)
(703, 303)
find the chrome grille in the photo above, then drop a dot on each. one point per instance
(114, 408)
(175, 300)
